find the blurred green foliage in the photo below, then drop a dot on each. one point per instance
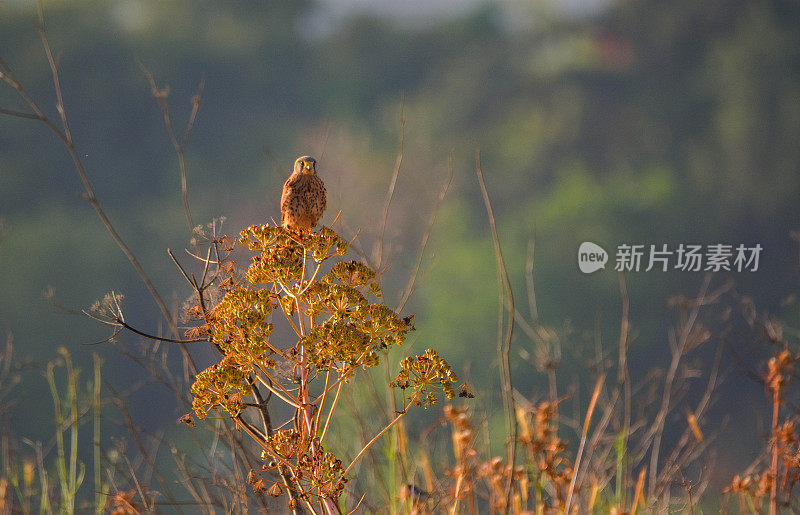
(645, 122)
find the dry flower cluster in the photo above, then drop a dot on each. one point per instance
(338, 331)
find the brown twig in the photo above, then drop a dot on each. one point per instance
(161, 94)
(529, 285)
(587, 421)
(623, 375)
(65, 135)
(390, 191)
(124, 325)
(503, 341)
(415, 272)
(773, 468)
(678, 349)
(20, 114)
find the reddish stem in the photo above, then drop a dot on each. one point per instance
(773, 493)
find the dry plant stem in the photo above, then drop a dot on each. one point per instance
(136, 433)
(638, 494)
(325, 141)
(19, 114)
(201, 501)
(678, 349)
(503, 342)
(265, 371)
(374, 439)
(96, 411)
(529, 281)
(773, 486)
(537, 335)
(180, 146)
(335, 384)
(289, 318)
(321, 399)
(623, 377)
(390, 192)
(599, 432)
(259, 439)
(311, 281)
(534, 312)
(121, 324)
(305, 404)
(65, 135)
(454, 509)
(168, 380)
(288, 399)
(138, 484)
(362, 425)
(237, 474)
(330, 411)
(396, 435)
(280, 353)
(357, 505)
(413, 278)
(266, 420)
(306, 407)
(68, 479)
(585, 431)
(356, 244)
(678, 458)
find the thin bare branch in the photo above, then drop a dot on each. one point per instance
(503, 341)
(587, 421)
(678, 349)
(390, 191)
(415, 272)
(65, 135)
(123, 325)
(20, 114)
(529, 281)
(161, 95)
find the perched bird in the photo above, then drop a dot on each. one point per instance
(303, 199)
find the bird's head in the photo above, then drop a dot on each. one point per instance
(306, 165)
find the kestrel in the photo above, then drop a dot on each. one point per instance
(303, 200)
